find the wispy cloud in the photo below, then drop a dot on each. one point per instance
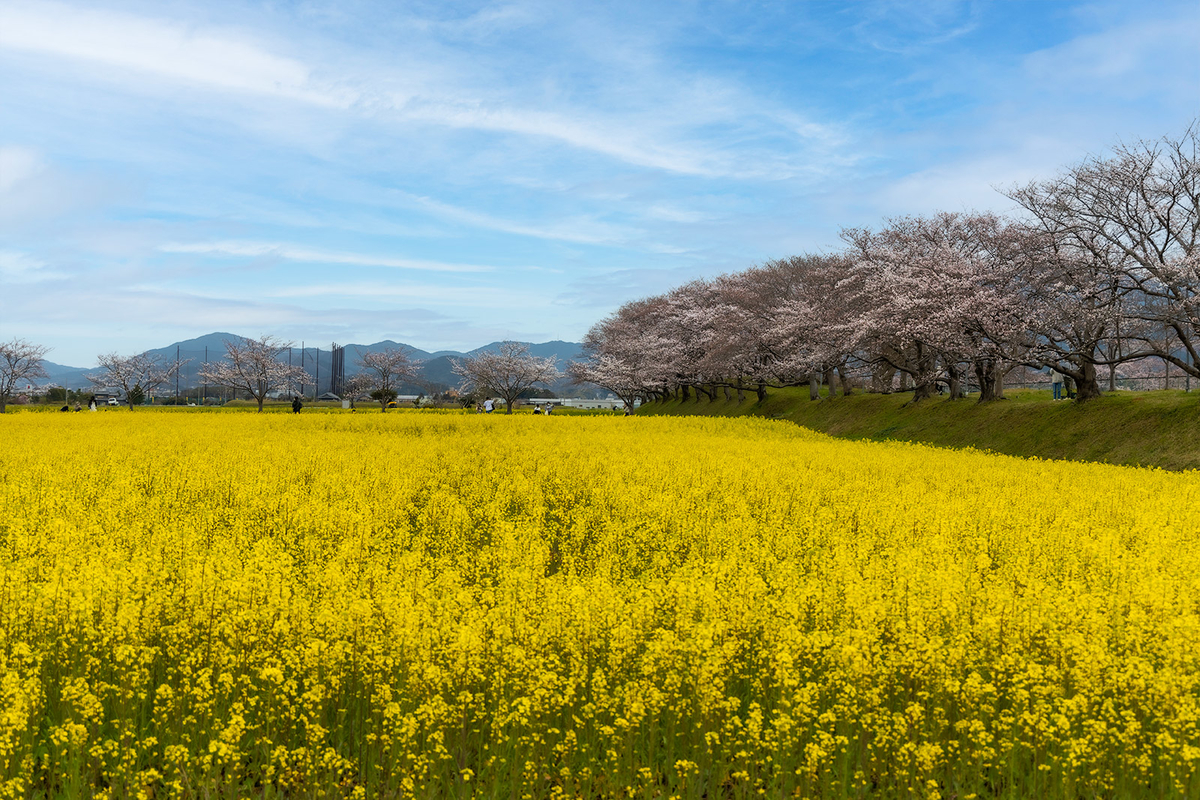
(297, 253)
(517, 167)
(17, 267)
(17, 164)
(659, 132)
(580, 230)
(428, 294)
(211, 58)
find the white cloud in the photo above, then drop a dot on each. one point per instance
(430, 294)
(579, 230)
(17, 164)
(1124, 57)
(607, 138)
(221, 60)
(18, 267)
(296, 253)
(655, 126)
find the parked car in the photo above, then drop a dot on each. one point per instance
(112, 401)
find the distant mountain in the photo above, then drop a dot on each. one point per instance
(61, 375)
(563, 351)
(436, 369)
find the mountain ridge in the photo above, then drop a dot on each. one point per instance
(435, 372)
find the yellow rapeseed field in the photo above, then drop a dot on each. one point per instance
(440, 605)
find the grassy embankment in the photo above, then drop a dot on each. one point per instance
(1160, 428)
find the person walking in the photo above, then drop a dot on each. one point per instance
(1056, 383)
(296, 405)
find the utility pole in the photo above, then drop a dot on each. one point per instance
(206, 382)
(176, 374)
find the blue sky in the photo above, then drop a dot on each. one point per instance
(448, 174)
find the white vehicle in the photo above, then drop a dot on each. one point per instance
(112, 401)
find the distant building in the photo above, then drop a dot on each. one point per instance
(609, 403)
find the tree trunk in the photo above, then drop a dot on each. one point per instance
(1086, 386)
(827, 376)
(685, 393)
(990, 377)
(956, 390)
(740, 393)
(728, 396)
(259, 399)
(814, 386)
(508, 406)
(845, 379)
(3, 404)
(885, 376)
(701, 388)
(904, 385)
(985, 377)
(923, 391)
(761, 391)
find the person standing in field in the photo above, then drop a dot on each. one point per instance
(296, 405)
(92, 403)
(488, 406)
(1056, 383)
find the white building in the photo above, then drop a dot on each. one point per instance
(610, 403)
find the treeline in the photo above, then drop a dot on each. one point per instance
(1100, 269)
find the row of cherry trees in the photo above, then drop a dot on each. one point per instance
(1101, 269)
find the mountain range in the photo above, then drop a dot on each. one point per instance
(435, 369)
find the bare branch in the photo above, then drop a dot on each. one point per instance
(20, 361)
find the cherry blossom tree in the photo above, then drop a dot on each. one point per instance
(1135, 213)
(382, 373)
(939, 297)
(806, 310)
(623, 354)
(253, 366)
(506, 372)
(1102, 268)
(20, 362)
(140, 374)
(1079, 301)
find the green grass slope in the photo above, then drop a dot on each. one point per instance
(1160, 428)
